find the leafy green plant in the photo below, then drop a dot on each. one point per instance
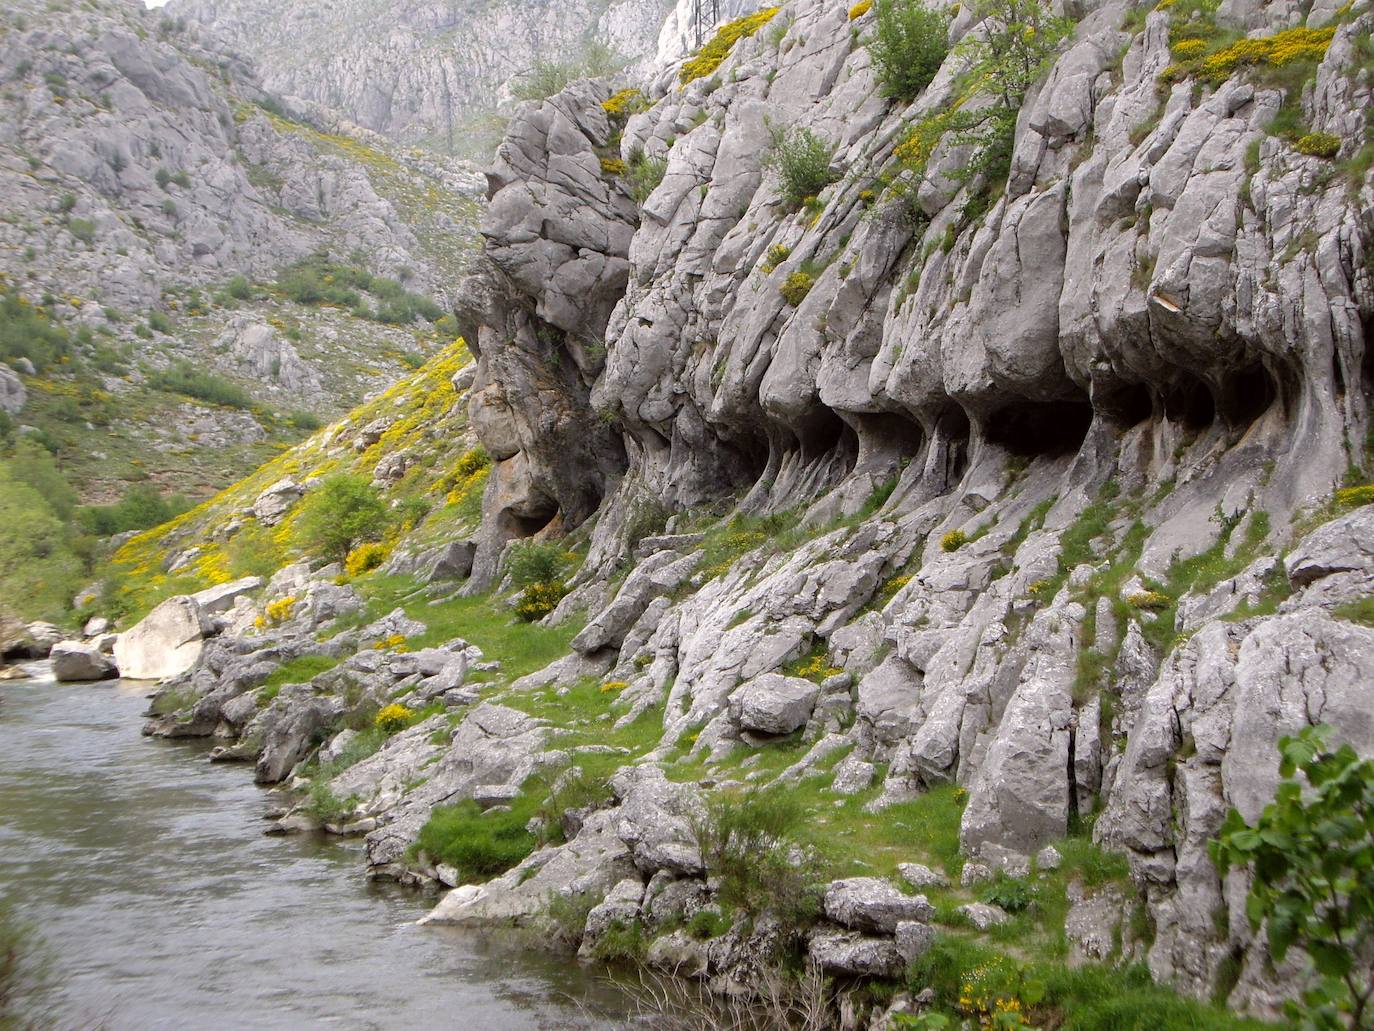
(340, 513)
(1312, 853)
(644, 174)
(909, 44)
(801, 160)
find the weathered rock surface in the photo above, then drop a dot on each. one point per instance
(164, 643)
(77, 661)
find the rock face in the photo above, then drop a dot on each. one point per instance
(78, 661)
(773, 704)
(164, 643)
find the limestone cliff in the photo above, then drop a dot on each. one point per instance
(1024, 484)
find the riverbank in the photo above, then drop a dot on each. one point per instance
(163, 904)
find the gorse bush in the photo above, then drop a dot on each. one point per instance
(185, 379)
(717, 49)
(801, 160)
(338, 515)
(908, 45)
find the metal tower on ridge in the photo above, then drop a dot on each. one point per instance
(705, 15)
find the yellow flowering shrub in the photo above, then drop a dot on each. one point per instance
(612, 166)
(1355, 496)
(625, 103)
(614, 686)
(279, 611)
(1149, 600)
(953, 541)
(1319, 144)
(795, 287)
(860, 9)
(1193, 51)
(393, 718)
(776, 255)
(816, 668)
(710, 56)
(538, 600)
(366, 557)
(395, 642)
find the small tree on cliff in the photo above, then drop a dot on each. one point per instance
(1011, 47)
(1312, 852)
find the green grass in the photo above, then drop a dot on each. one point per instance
(1093, 997)
(300, 670)
(480, 845)
(482, 620)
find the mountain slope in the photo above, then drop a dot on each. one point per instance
(423, 73)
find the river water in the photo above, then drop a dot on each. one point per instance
(163, 904)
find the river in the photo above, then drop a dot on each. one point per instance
(163, 904)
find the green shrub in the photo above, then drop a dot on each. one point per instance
(644, 175)
(185, 379)
(745, 840)
(801, 160)
(307, 422)
(141, 508)
(239, 288)
(340, 513)
(159, 322)
(908, 46)
(325, 806)
(318, 280)
(708, 923)
(26, 333)
(479, 845)
(81, 228)
(547, 78)
(531, 562)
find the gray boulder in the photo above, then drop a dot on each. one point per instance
(873, 904)
(74, 661)
(13, 396)
(853, 955)
(773, 704)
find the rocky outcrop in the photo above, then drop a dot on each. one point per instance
(1028, 500)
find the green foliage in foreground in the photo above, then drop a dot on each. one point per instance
(1312, 852)
(971, 979)
(801, 160)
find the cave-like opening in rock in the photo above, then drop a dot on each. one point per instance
(824, 432)
(1189, 401)
(954, 426)
(1036, 428)
(1126, 405)
(1246, 394)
